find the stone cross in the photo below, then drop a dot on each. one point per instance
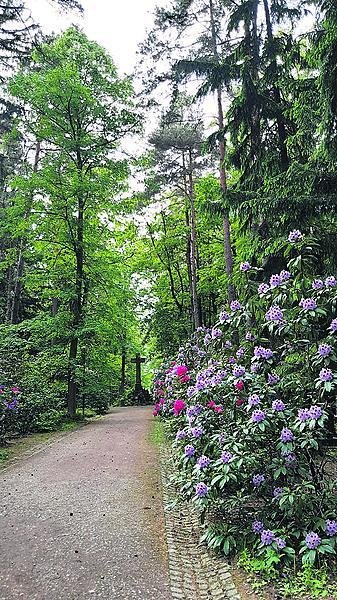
(138, 360)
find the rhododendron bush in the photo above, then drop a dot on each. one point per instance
(250, 406)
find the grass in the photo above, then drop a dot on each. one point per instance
(157, 433)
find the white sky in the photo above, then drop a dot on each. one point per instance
(118, 25)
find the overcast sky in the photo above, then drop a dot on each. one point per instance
(118, 25)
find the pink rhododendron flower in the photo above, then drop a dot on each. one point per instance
(181, 371)
(239, 385)
(178, 406)
(239, 402)
(211, 404)
(184, 379)
(218, 409)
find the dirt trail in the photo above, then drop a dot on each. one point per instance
(82, 518)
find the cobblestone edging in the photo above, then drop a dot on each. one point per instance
(195, 574)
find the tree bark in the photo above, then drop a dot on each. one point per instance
(77, 304)
(17, 288)
(188, 229)
(222, 169)
(193, 245)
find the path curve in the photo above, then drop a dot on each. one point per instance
(82, 518)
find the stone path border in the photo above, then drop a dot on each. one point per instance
(195, 573)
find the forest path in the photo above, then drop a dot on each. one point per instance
(82, 518)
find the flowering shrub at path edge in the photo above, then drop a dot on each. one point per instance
(9, 405)
(251, 405)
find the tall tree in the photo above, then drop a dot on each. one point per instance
(79, 110)
(179, 140)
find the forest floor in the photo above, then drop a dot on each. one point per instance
(82, 517)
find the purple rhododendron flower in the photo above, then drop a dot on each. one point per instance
(245, 266)
(235, 305)
(295, 236)
(289, 457)
(277, 492)
(207, 339)
(255, 367)
(317, 284)
(223, 317)
(331, 528)
(303, 414)
(258, 416)
(258, 480)
(273, 379)
(203, 462)
(324, 350)
(308, 304)
(267, 537)
(222, 438)
(315, 412)
(275, 314)
(278, 405)
(325, 375)
(257, 526)
(189, 450)
(260, 352)
(181, 434)
(330, 281)
(226, 457)
(250, 337)
(333, 326)
(240, 353)
(216, 333)
(228, 344)
(312, 540)
(285, 275)
(286, 435)
(201, 489)
(238, 371)
(280, 543)
(263, 289)
(13, 405)
(197, 432)
(190, 391)
(253, 400)
(275, 280)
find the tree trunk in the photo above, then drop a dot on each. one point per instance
(188, 236)
(77, 304)
(193, 246)
(222, 170)
(17, 289)
(9, 294)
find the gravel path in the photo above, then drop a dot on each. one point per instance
(82, 518)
